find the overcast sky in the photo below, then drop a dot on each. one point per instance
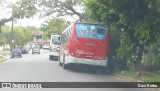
(6, 13)
(33, 21)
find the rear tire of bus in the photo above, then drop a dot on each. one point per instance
(65, 66)
(101, 69)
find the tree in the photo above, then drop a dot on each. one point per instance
(7, 35)
(139, 20)
(21, 9)
(63, 7)
(28, 8)
(20, 35)
(2, 36)
(53, 26)
(32, 28)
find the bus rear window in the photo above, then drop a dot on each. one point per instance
(91, 31)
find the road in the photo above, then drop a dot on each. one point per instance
(38, 68)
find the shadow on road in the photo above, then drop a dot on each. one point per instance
(90, 69)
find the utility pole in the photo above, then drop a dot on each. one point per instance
(42, 38)
(13, 44)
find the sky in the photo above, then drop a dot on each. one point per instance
(33, 21)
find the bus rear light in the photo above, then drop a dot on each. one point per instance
(72, 54)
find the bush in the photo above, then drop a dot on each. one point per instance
(2, 59)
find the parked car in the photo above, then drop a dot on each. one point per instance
(46, 47)
(16, 53)
(24, 49)
(35, 50)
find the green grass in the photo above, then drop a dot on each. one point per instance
(152, 77)
(2, 59)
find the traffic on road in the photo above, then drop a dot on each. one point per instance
(84, 44)
(38, 68)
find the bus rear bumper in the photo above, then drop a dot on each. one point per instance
(71, 59)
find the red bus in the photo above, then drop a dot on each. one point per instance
(84, 43)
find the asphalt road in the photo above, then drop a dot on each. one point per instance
(38, 68)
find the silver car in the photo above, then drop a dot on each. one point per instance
(35, 50)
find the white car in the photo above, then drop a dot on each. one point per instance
(46, 47)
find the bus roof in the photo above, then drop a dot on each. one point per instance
(82, 23)
(67, 28)
(91, 24)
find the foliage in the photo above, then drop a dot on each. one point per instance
(24, 8)
(2, 59)
(21, 9)
(2, 41)
(28, 8)
(53, 26)
(62, 7)
(20, 35)
(139, 20)
(32, 28)
(146, 77)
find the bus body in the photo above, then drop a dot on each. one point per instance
(84, 43)
(54, 47)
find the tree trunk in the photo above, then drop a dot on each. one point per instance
(3, 21)
(138, 59)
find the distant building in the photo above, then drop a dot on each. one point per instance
(46, 42)
(37, 39)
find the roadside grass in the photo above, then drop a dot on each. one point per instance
(152, 77)
(2, 59)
